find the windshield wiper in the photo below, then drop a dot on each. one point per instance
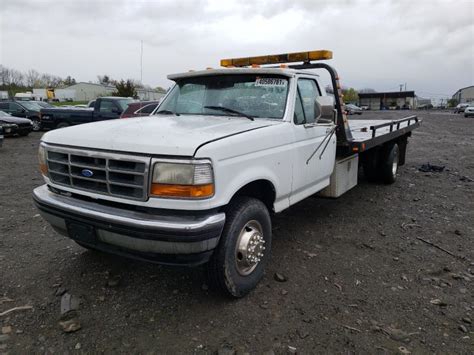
(166, 112)
(225, 109)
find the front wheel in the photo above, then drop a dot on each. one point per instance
(238, 262)
(36, 124)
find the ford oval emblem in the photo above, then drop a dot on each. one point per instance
(87, 173)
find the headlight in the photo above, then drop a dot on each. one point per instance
(43, 165)
(183, 180)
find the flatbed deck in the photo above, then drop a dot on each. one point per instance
(367, 134)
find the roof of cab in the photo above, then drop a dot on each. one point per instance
(233, 71)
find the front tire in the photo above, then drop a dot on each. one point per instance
(238, 262)
(36, 124)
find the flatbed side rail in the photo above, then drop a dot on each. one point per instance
(392, 124)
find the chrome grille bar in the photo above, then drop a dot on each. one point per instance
(105, 173)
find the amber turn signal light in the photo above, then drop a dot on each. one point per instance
(184, 191)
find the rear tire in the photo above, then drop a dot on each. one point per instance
(238, 262)
(389, 164)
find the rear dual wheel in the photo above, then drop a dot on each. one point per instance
(382, 165)
(238, 262)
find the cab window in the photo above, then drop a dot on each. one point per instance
(106, 106)
(147, 109)
(15, 107)
(308, 90)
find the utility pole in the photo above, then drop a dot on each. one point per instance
(405, 86)
(141, 62)
(401, 87)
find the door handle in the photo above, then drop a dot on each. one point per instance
(309, 125)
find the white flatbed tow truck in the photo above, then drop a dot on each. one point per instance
(197, 182)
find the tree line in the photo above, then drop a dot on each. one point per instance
(15, 81)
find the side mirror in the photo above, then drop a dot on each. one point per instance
(326, 104)
(317, 111)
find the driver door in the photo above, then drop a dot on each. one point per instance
(311, 172)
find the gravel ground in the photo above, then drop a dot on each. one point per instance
(361, 274)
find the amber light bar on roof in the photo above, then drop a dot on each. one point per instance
(278, 58)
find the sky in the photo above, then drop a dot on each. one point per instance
(427, 44)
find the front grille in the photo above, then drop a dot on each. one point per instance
(110, 174)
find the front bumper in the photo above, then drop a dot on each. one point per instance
(156, 237)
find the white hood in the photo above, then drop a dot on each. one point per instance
(157, 135)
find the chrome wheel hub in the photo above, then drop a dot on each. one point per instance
(36, 125)
(249, 248)
(395, 165)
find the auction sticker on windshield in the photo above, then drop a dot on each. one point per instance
(271, 82)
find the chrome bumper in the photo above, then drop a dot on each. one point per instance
(141, 235)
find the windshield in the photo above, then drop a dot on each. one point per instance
(124, 103)
(43, 104)
(251, 95)
(31, 105)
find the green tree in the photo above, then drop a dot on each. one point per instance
(160, 90)
(453, 102)
(125, 89)
(69, 81)
(350, 95)
(104, 79)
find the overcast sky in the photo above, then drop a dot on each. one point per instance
(378, 44)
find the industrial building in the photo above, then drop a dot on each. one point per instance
(464, 95)
(388, 100)
(89, 91)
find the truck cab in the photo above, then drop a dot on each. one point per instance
(197, 182)
(104, 108)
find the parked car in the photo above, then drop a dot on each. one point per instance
(21, 126)
(460, 108)
(469, 111)
(105, 108)
(353, 109)
(365, 107)
(25, 109)
(137, 109)
(7, 128)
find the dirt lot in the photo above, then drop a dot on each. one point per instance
(361, 276)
